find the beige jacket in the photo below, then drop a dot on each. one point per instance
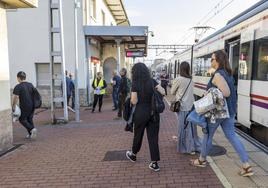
(178, 88)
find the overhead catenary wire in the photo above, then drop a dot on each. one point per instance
(209, 12)
(216, 13)
(189, 34)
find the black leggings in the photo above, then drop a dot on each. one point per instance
(143, 119)
(96, 99)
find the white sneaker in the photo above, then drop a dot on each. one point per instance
(28, 136)
(33, 133)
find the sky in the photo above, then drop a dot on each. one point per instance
(172, 20)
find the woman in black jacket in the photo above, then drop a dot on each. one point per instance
(141, 96)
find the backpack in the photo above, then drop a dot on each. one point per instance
(158, 105)
(37, 99)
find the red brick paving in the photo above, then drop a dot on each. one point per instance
(72, 156)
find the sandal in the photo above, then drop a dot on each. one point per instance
(198, 163)
(246, 172)
(192, 153)
(175, 138)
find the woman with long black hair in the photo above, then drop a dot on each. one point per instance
(224, 81)
(141, 96)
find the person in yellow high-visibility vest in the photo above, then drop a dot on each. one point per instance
(99, 86)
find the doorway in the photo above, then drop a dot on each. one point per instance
(109, 66)
(233, 50)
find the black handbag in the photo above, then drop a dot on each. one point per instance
(129, 127)
(130, 124)
(127, 109)
(176, 105)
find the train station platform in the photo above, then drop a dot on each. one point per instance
(92, 154)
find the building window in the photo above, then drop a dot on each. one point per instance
(261, 59)
(86, 9)
(43, 74)
(93, 9)
(103, 17)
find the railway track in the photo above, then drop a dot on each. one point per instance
(252, 140)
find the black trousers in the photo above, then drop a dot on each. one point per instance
(143, 120)
(165, 87)
(73, 100)
(121, 103)
(26, 119)
(68, 100)
(96, 99)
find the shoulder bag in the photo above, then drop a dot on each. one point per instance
(176, 105)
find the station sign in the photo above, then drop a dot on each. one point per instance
(132, 53)
(95, 60)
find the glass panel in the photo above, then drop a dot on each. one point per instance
(207, 67)
(262, 62)
(245, 60)
(93, 8)
(43, 74)
(201, 66)
(103, 17)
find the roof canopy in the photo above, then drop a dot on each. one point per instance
(20, 3)
(135, 37)
(118, 11)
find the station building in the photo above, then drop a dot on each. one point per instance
(6, 137)
(104, 35)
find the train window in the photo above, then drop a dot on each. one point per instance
(245, 60)
(201, 66)
(261, 51)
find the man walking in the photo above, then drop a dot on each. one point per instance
(116, 84)
(123, 91)
(164, 80)
(68, 88)
(23, 92)
(72, 89)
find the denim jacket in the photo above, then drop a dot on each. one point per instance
(232, 99)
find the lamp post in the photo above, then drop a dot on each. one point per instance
(118, 42)
(77, 114)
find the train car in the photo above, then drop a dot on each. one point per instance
(245, 39)
(175, 61)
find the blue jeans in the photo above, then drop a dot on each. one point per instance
(115, 98)
(227, 126)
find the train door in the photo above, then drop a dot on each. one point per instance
(242, 86)
(175, 69)
(234, 49)
(178, 68)
(244, 80)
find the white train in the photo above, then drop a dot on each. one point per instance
(245, 39)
